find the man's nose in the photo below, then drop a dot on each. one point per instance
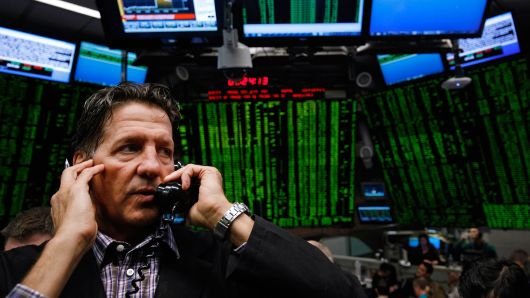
(150, 164)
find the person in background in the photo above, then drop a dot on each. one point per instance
(473, 247)
(494, 279)
(29, 227)
(426, 251)
(385, 282)
(453, 278)
(424, 270)
(520, 257)
(422, 288)
(111, 238)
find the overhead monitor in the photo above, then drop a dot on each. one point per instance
(135, 24)
(380, 214)
(498, 40)
(35, 56)
(414, 241)
(373, 190)
(419, 19)
(398, 68)
(100, 65)
(297, 22)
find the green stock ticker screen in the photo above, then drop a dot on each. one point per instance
(292, 162)
(457, 158)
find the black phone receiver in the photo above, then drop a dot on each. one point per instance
(175, 202)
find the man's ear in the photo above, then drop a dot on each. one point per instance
(79, 157)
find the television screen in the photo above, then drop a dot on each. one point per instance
(141, 23)
(397, 68)
(375, 214)
(98, 64)
(498, 40)
(373, 190)
(35, 56)
(296, 22)
(426, 18)
(414, 241)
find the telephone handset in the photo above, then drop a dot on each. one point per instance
(175, 202)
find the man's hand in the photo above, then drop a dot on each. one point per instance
(212, 203)
(73, 211)
(73, 214)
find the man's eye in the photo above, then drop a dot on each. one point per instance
(166, 151)
(129, 148)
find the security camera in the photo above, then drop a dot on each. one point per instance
(456, 83)
(233, 58)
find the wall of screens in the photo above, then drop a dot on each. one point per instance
(37, 118)
(456, 158)
(291, 161)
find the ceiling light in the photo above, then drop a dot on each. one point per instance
(72, 7)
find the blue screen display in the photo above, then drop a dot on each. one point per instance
(498, 40)
(374, 214)
(373, 190)
(414, 242)
(35, 56)
(97, 64)
(406, 67)
(426, 17)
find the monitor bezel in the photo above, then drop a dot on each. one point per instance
(299, 41)
(116, 37)
(408, 37)
(405, 82)
(375, 222)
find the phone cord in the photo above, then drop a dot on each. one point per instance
(150, 252)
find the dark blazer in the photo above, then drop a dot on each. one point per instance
(274, 263)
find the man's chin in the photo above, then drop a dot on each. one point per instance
(145, 217)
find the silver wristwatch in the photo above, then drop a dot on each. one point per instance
(223, 225)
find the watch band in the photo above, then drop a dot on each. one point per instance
(223, 225)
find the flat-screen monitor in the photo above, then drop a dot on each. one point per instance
(426, 18)
(135, 24)
(284, 23)
(498, 40)
(380, 214)
(398, 68)
(98, 64)
(35, 56)
(414, 241)
(373, 190)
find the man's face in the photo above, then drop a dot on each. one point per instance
(473, 233)
(137, 151)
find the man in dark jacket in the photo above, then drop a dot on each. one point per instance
(111, 240)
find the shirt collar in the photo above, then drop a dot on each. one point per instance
(105, 243)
